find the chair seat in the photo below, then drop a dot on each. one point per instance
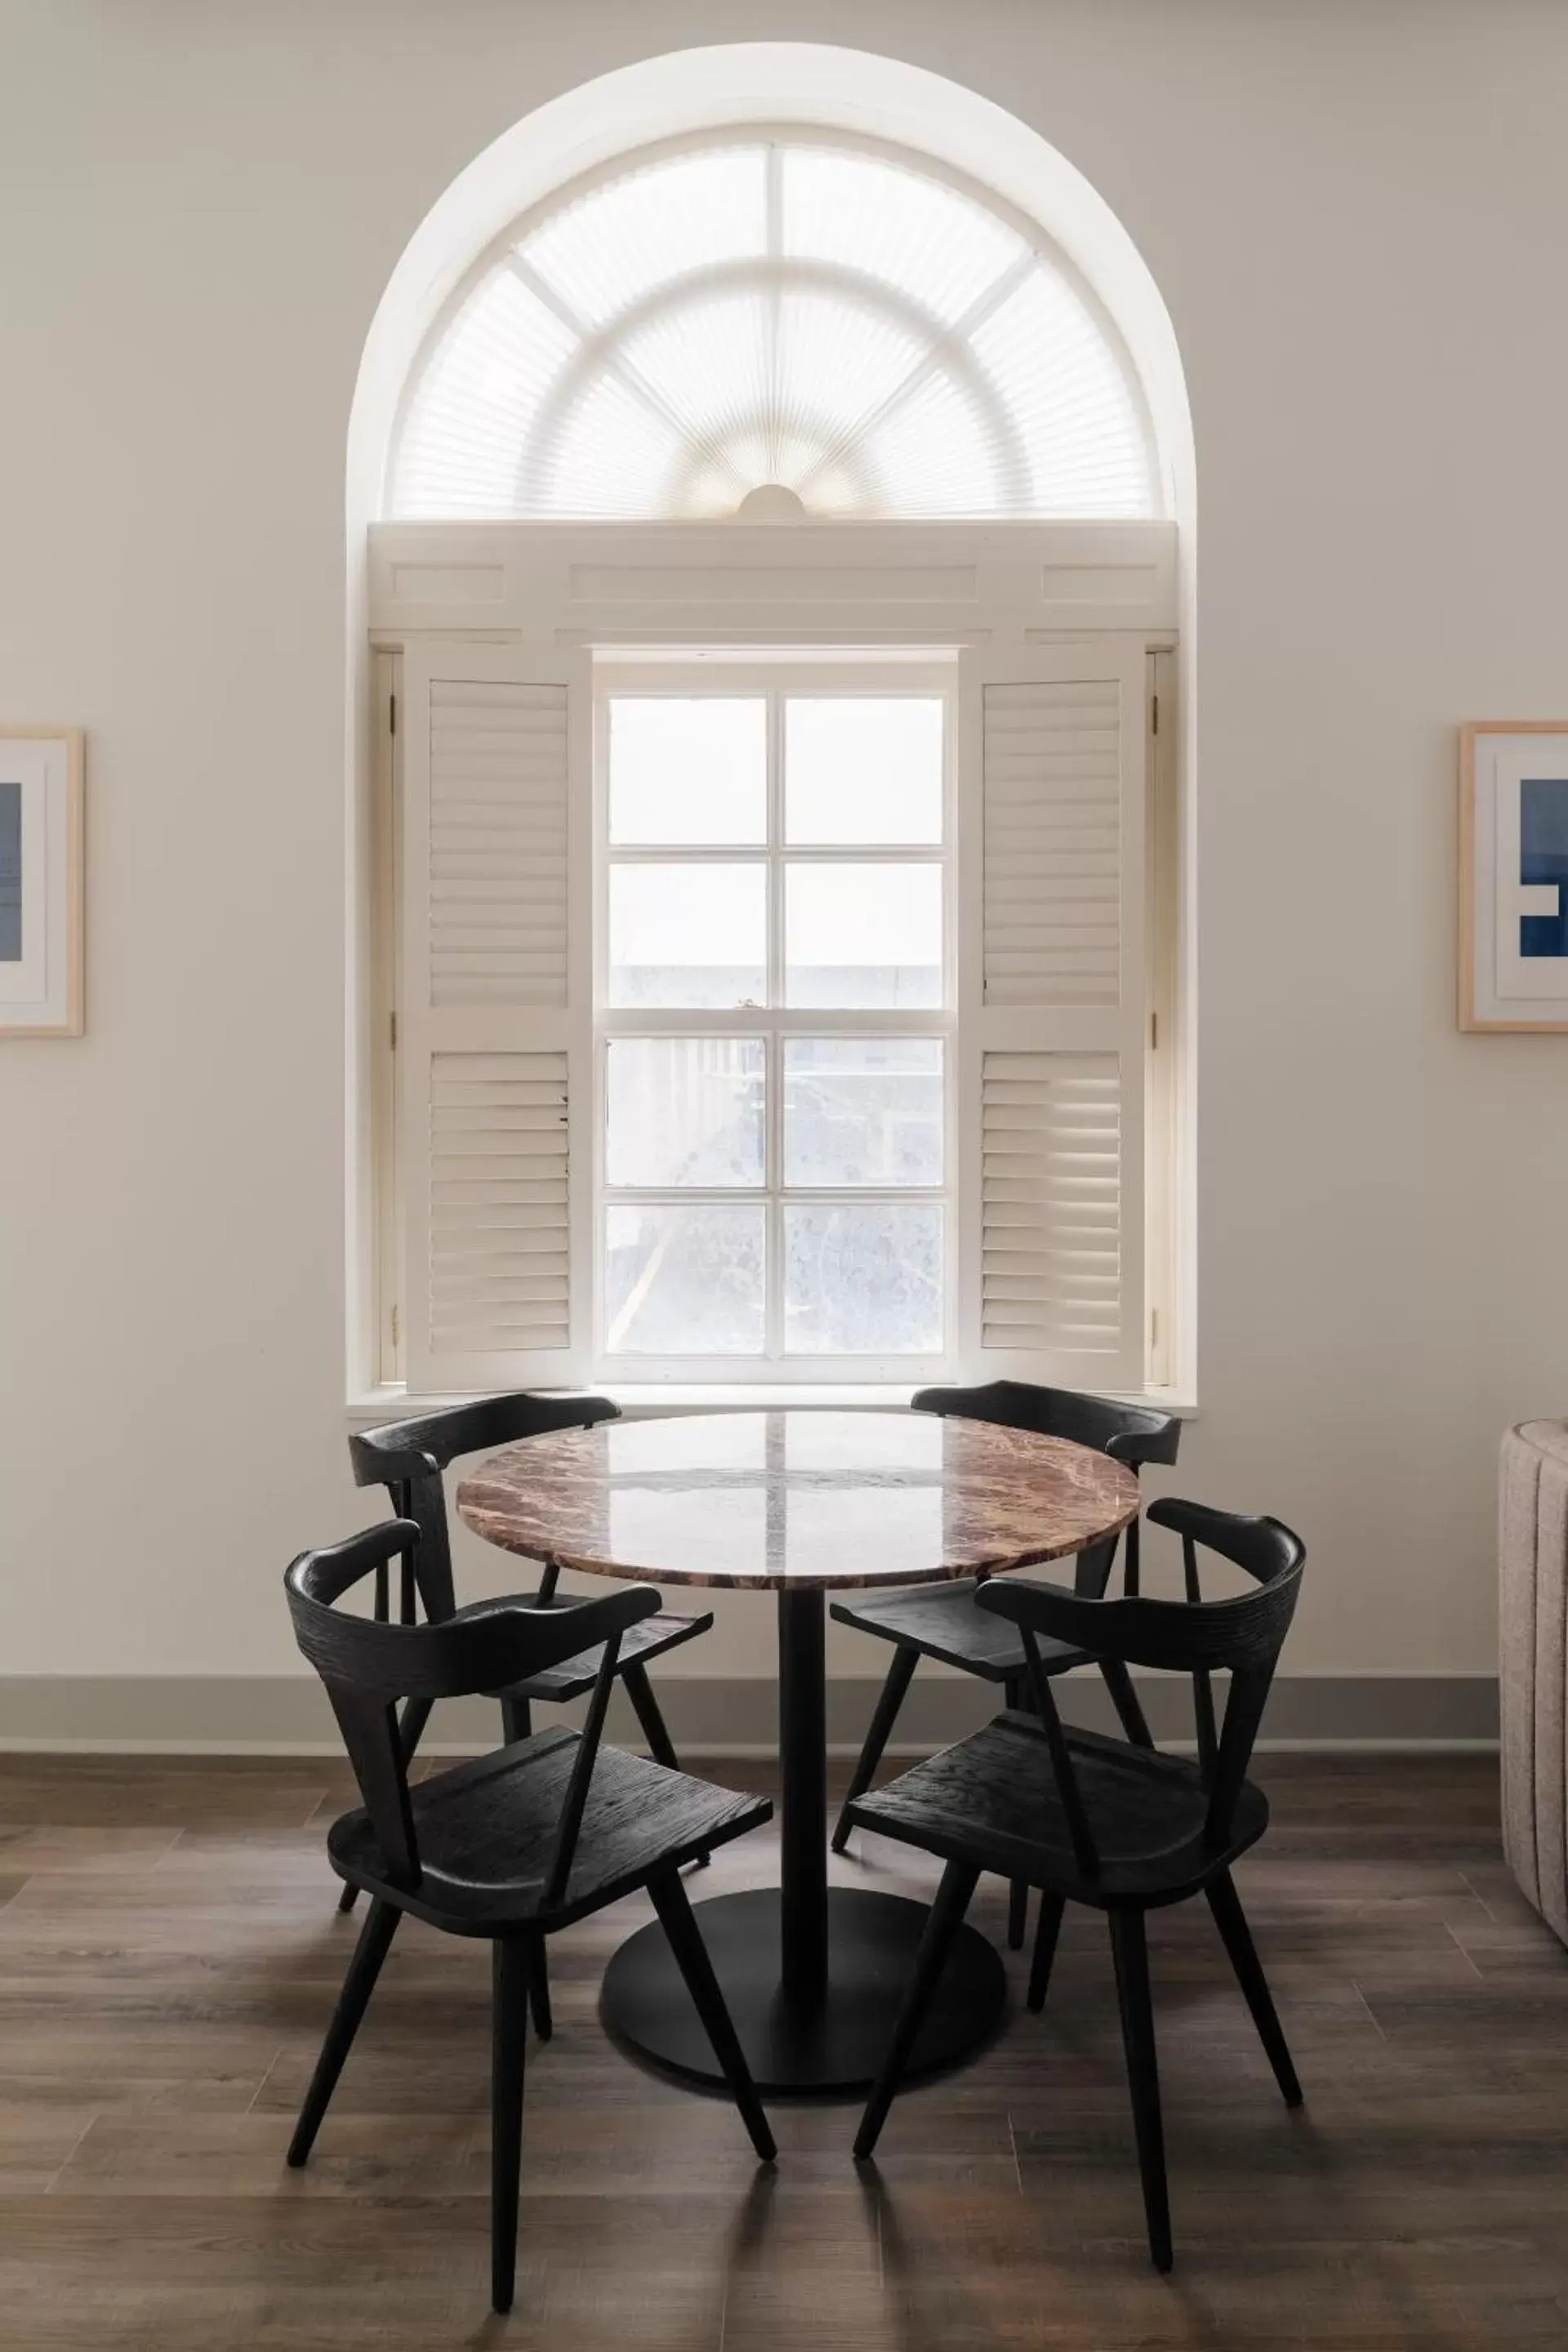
(574, 1676)
(487, 1832)
(993, 1800)
(941, 1621)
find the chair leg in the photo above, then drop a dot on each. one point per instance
(639, 1690)
(1231, 1921)
(890, 1700)
(538, 1993)
(509, 2035)
(943, 1922)
(1047, 1929)
(1016, 1693)
(655, 1730)
(1124, 1699)
(516, 1719)
(1130, 1950)
(375, 1942)
(674, 1908)
(415, 1716)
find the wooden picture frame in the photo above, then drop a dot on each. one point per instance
(42, 826)
(1508, 982)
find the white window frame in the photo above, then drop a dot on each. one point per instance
(921, 672)
(649, 593)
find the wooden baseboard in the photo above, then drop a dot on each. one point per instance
(720, 1715)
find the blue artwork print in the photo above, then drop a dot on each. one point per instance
(1543, 858)
(10, 873)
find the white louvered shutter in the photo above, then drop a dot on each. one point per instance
(1052, 1012)
(492, 1048)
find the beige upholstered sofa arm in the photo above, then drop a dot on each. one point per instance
(1534, 1663)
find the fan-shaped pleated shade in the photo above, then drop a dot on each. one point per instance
(829, 327)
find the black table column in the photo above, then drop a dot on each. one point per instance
(803, 1761)
(814, 1975)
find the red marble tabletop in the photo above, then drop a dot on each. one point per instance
(792, 1499)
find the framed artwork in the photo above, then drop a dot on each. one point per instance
(40, 882)
(1514, 874)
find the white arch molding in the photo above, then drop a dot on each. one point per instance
(670, 99)
(883, 101)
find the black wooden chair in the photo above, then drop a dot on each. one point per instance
(512, 1847)
(1106, 1821)
(408, 1457)
(944, 1621)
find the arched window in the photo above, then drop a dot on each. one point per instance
(769, 326)
(781, 972)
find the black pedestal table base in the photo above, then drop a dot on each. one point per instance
(832, 2042)
(814, 1975)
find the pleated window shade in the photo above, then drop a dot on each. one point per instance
(779, 315)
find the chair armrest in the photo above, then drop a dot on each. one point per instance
(1159, 1439)
(1264, 1546)
(387, 1465)
(520, 1639)
(1049, 1610)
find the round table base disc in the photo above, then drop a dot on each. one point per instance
(838, 2046)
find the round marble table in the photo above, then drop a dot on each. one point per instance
(798, 1503)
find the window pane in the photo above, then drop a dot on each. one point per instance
(863, 935)
(863, 1281)
(684, 1111)
(863, 768)
(691, 770)
(684, 1282)
(688, 934)
(862, 1110)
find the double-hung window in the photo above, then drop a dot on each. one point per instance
(774, 1016)
(779, 1011)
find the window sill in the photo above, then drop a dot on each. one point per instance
(641, 1400)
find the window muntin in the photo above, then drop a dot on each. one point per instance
(838, 320)
(774, 1145)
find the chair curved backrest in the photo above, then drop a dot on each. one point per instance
(1129, 1433)
(367, 1666)
(408, 1457)
(1241, 1635)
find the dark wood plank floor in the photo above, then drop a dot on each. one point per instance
(169, 1950)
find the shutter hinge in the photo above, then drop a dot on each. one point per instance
(1153, 1324)
(1154, 714)
(392, 1031)
(392, 714)
(1153, 1031)
(394, 1324)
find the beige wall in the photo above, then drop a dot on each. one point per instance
(1356, 214)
